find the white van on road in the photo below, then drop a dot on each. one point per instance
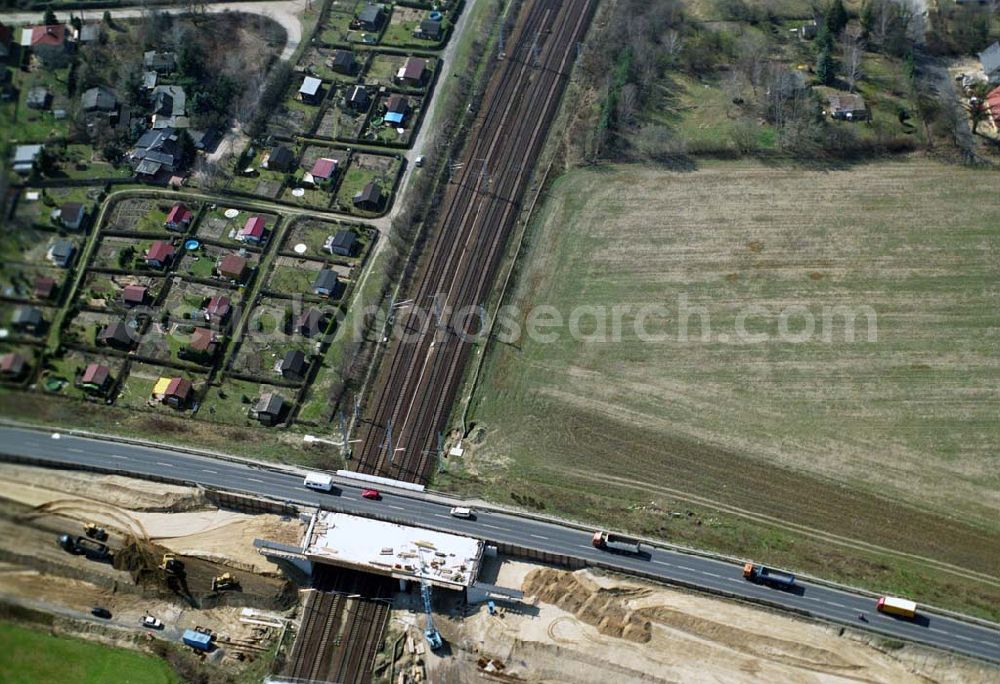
(319, 482)
(460, 512)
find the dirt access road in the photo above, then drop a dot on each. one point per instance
(285, 13)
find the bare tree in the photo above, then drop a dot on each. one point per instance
(628, 102)
(853, 49)
(751, 56)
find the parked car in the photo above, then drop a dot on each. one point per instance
(371, 494)
(419, 161)
(103, 613)
(461, 512)
(152, 622)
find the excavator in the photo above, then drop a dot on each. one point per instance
(225, 581)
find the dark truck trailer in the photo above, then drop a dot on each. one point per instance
(92, 549)
(773, 578)
(608, 541)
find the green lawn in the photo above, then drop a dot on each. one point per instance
(291, 280)
(30, 656)
(836, 434)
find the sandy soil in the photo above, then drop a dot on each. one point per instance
(177, 518)
(589, 628)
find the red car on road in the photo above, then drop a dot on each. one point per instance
(371, 494)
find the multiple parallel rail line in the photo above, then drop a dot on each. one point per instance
(343, 624)
(421, 371)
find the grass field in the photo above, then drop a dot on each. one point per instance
(30, 656)
(888, 442)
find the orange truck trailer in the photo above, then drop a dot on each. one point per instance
(897, 606)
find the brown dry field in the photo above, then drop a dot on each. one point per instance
(884, 445)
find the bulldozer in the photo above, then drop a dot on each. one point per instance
(170, 565)
(94, 531)
(225, 581)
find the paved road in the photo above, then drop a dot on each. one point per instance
(821, 601)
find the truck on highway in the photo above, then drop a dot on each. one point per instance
(897, 606)
(319, 482)
(608, 541)
(769, 576)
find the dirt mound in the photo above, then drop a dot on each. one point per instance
(23, 484)
(604, 608)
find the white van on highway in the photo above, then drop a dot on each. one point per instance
(319, 482)
(460, 512)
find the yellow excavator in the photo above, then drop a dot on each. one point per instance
(170, 565)
(225, 581)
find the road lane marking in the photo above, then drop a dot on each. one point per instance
(74, 450)
(398, 508)
(834, 603)
(441, 515)
(684, 567)
(710, 574)
(159, 463)
(538, 536)
(962, 637)
(254, 479)
(119, 456)
(661, 563)
(206, 470)
(494, 527)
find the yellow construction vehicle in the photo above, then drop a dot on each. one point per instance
(171, 565)
(225, 581)
(94, 531)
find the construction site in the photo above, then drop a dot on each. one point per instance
(173, 555)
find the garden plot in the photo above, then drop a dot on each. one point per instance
(28, 245)
(136, 392)
(206, 259)
(336, 28)
(105, 290)
(18, 281)
(314, 234)
(316, 61)
(232, 401)
(82, 328)
(315, 194)
(255, 179)
(402, 24)
(125, 253)
(8, 312)
(266, 339)
(141, 215)
(81, 162)
(340, 122)
(167, 342)
(187, 298)
(385, 67)
(221, 224)
(22, 124)
(292, 276)
(62, 373)
(293, 116)
(379, 130)
(383, 170)
(34, 206)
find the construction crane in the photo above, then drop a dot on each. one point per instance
(430, 631)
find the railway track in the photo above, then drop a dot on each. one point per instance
(421, 373)
(344, 621)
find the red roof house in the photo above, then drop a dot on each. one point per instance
(12, 365)
(134, 294)
(179, 217)
(48, 43)
(159, 254)
(324, 169)
(95, 376)
(252, 230)
(178, 392)
(993, 107)
(232, 266)
(44, 287)
(218, 308)
(203, 341)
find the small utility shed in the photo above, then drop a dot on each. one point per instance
(343, 243)
(326, 284)
(311, 90)
(370, 197)
(269, 408)
(343, 62)
(371, 17)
